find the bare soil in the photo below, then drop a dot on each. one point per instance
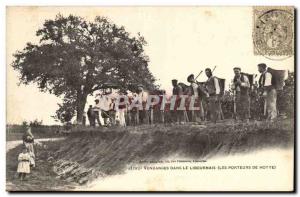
(84, 156)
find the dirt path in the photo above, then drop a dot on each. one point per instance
(12, 144)
(42, 177)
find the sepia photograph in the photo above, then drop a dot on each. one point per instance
(150, 98)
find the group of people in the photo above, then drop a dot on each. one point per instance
(115, 110)
(266, 90)
(26, 159)
(209, 93)
(112, 114)
(208, 96)
(105, 107)
(205, 97)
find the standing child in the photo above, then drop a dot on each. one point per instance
(24, 164)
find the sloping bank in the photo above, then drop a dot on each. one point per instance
(84, 156)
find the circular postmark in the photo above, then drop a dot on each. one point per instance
(274, 34)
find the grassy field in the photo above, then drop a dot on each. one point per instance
(85, 155)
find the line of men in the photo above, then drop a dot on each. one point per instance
(212, 94)
(211, 90)
(207, 98)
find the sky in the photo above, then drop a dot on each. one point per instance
(181, 41)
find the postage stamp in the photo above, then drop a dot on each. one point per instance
(273, 31)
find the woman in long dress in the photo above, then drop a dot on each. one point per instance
(28, 140)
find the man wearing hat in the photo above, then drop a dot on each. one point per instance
(213, 92)
(143, 114)
(194, 86)
(177, 91)
(197, 103)
(268, 92)
(105, 101)
(122, 105)
(241, 85)
(97, 110)
(91, 116)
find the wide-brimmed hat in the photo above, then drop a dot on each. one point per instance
(262, 65)
(190, 78)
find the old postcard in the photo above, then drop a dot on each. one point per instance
(150, 98)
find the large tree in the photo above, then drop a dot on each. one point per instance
(75, 57)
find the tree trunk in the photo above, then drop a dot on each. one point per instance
(81, 101)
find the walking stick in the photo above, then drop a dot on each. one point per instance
(202, 72)
(151, 115)
(105, 113)
(265, 107)
(109, 117)
(199, 75)
(234, 104)
(214, 69)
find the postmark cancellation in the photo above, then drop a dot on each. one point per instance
(273, 31)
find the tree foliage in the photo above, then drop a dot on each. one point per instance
(75, 57)
(286, 97)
